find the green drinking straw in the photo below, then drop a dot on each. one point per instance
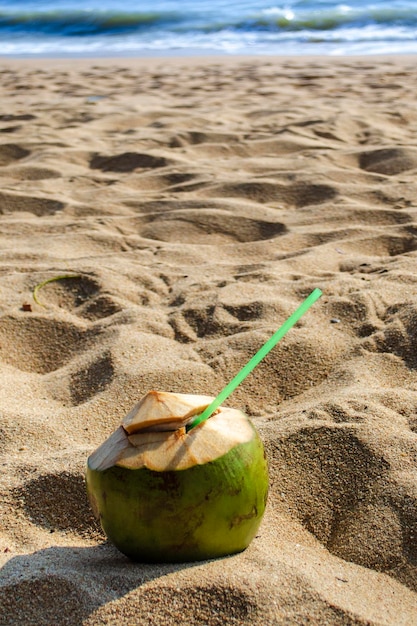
(256, 359)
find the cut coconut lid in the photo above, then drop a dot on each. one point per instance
(164, 451)
(178, 450)
(161, 410)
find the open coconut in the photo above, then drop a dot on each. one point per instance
(164, 494)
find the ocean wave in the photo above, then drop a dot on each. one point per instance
(336, 17)
(93, 22)
(83, 22)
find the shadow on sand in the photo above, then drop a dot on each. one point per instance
(64, 585)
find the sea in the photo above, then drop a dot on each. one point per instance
(100, 28)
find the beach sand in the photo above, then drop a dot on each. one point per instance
(193, 204)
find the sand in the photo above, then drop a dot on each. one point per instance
(193, 204)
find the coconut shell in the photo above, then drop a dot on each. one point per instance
(178, 496)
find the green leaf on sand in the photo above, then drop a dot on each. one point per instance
(39, 286)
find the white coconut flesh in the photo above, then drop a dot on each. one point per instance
(153, 435)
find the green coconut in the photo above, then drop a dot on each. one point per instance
(163, 494)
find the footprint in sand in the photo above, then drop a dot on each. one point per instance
(127, 162)
(296, 195)
(388, 161)
(23, 117)
(380, 245)
(80, 295)
(398, 334)
(14, 203)
(228, 602)
(325, 475)
(40, 344)
(209, 227)
(11, 152)
(87, 381)
(30, 173)
(57, 501)
(40, 597)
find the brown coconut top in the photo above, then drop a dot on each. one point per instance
(153, 434)
(160, 410)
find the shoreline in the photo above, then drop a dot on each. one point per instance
(226, 61)
(152, 62)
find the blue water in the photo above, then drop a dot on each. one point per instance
(166, 27)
